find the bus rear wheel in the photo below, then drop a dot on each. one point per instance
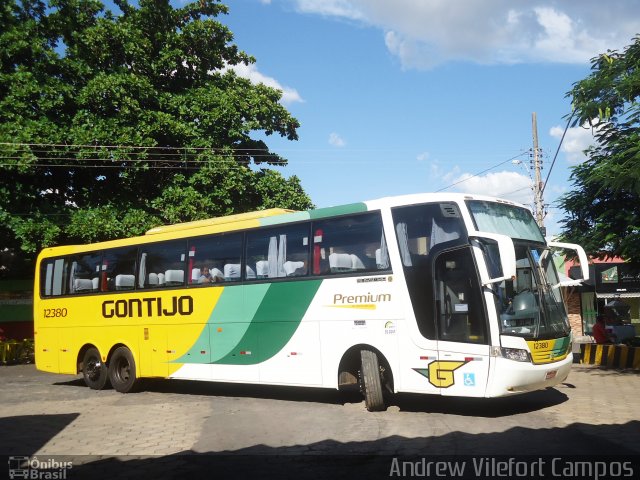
(371, 382)
(94, 371)
(122, 370)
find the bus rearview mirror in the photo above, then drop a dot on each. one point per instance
(507, 255)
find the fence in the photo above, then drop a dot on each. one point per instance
(16, 351)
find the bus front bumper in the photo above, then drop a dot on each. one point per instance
(509, 377)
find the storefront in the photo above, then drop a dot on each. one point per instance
(609, 283)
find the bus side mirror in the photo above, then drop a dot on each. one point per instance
(507, 254)
(582, 256)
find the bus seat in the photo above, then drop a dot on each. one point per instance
(82, 285)
(161, 280)
(174, 277)
(232, 271)
(195, 275)
(262, 269)
(293, 269)
(356, 263)
(125, 282)
(340, 262)
(250, 272)
(95, 283)
(153, 279)
(216, 274)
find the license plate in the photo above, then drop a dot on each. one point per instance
(550, 374)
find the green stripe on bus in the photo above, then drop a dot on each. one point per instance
(340, 210)
(286, 218)
(227, 323)
(275, 321)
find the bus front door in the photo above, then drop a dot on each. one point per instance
(463, 341)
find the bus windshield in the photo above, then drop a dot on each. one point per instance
(515, 222)
(531, 306)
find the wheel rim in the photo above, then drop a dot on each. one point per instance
(123, 370)
(93, 368)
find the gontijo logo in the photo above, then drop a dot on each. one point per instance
(367, 302)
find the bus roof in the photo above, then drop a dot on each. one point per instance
(272, 216)
(238, 217)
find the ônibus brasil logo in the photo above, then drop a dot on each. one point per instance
(34, 468)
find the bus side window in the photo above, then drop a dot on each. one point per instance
(278, 252)
(82, 273)
(350, 244)
(52, 276)
(162, 264)
(215, 254)
(460, 311)
(119, 267)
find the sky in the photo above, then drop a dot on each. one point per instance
(407, 96)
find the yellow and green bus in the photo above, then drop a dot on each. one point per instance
(446, 294)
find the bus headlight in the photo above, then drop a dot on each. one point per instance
(516, 354)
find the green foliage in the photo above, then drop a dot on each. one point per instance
(603, 209)
(115, 122)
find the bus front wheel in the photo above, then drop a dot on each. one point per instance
(122, 370)
(94, 371)
(370, 381)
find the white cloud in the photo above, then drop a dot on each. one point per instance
(423, 33)
(336, 140)
(423, 156)
(334, 8)
(508, 185)
(251, 73)
(576, 141)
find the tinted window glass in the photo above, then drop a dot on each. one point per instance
(46, 277)
(278, 252)
(349, 244)
(83, 273)
(210, 257)
(162, 264)
(460, 310)
(119, 268)
(54, 277)
(420, 229)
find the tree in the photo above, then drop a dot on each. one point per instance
(112, 122)
(603, 209)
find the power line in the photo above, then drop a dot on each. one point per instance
(557, 150)
(482, 172)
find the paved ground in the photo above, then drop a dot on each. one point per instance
(174, 427)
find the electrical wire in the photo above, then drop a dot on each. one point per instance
(544, 185)
(482, 172)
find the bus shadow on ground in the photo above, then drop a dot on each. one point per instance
(26, 434)
(483, 407)
(480, 407)
(559, 449)
(476, 407)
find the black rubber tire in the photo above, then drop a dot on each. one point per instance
(371, 383)
(122, 370)
(94, 370)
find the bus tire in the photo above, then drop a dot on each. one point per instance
(370, 381)
(94, 370)
(122, 370)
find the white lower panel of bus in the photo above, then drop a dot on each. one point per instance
(297, 363)
(509, 377)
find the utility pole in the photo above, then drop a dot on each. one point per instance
(538, 187)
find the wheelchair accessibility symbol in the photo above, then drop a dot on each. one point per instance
(469, 379)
